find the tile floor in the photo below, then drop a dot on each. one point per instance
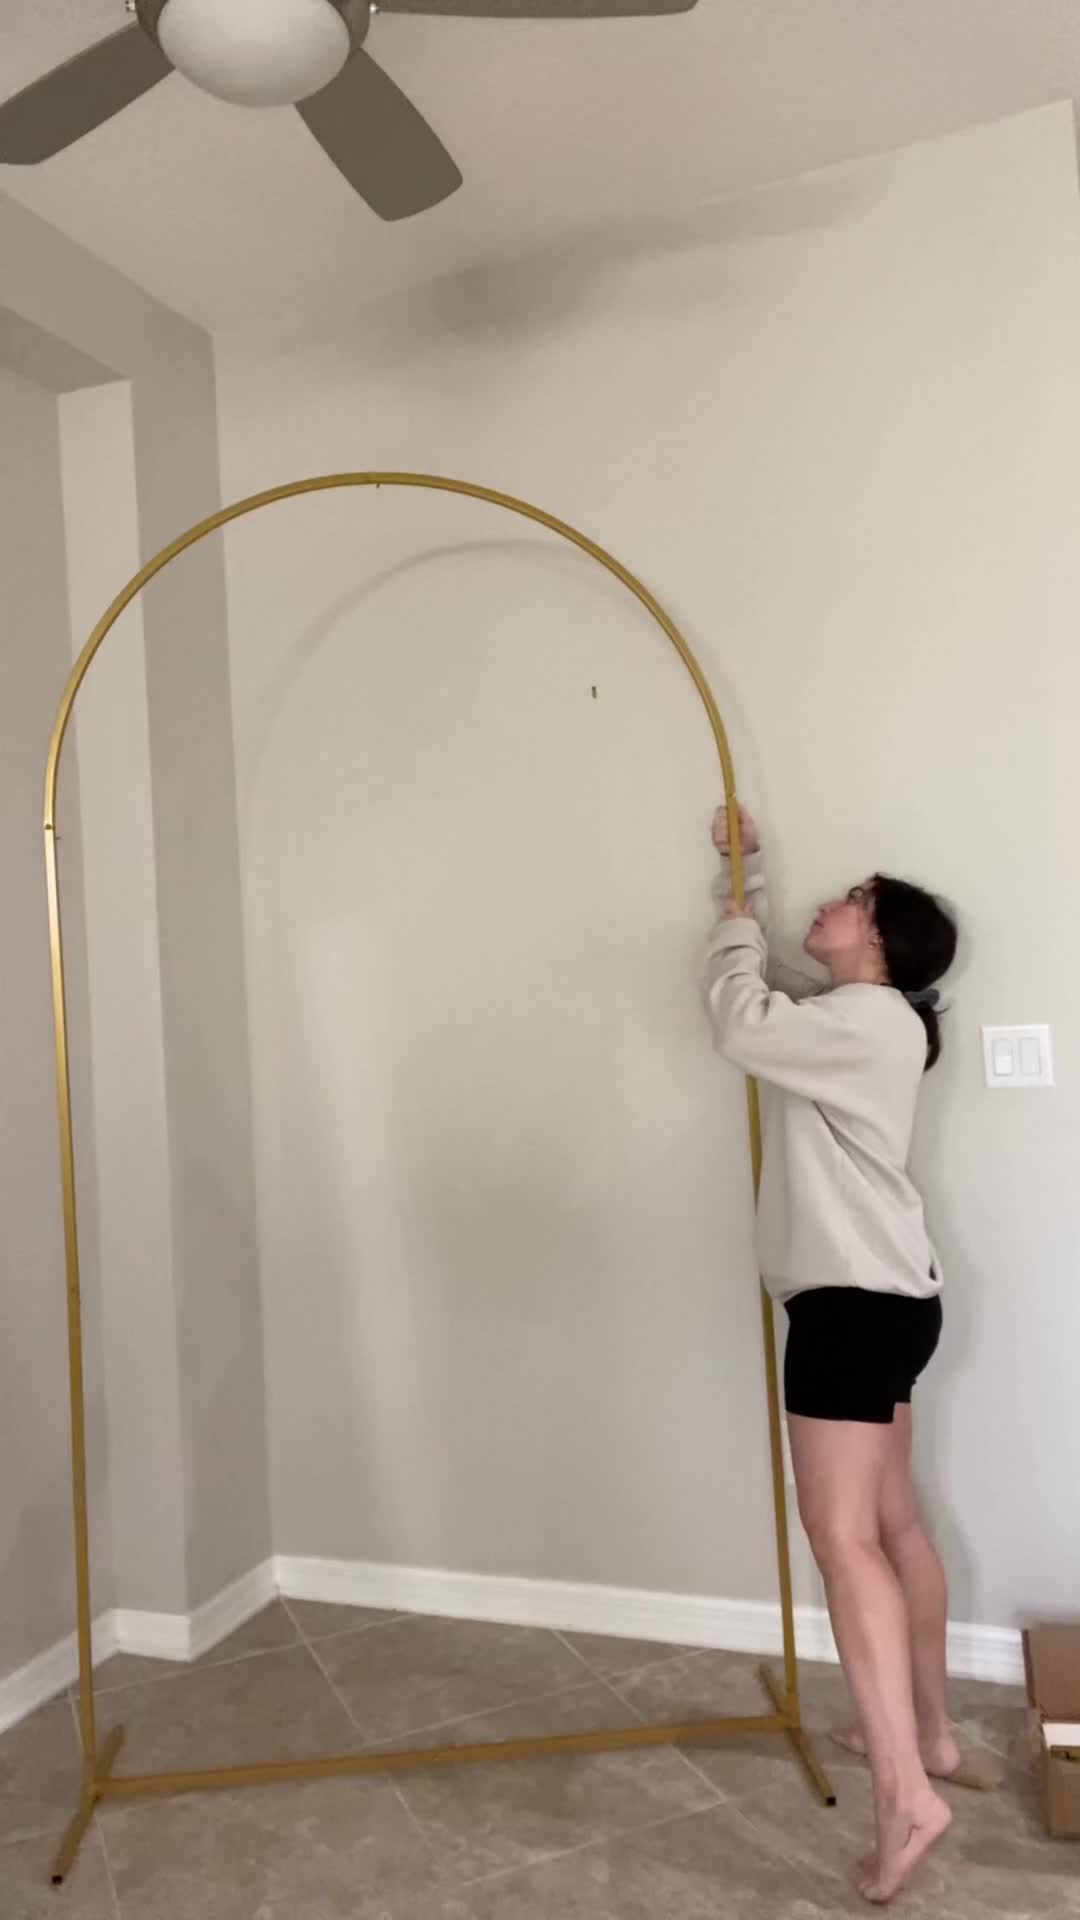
(650, 1835)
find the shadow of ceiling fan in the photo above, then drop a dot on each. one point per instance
(306, 53)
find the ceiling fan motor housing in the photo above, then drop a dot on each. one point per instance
(257, 52)
(355, 13)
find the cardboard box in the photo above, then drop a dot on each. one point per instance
(1052, 1665)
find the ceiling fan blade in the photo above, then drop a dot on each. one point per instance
(539, 9)
(55, 111)
(380, 141)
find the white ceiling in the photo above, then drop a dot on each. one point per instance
(237, 219)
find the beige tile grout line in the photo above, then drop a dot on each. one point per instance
(716, 1799)
(178, 1668)
(478, 1713)
(714, 1792)
(26, 1836)
(561, 1853)
(340, 1633)
(523, 1700)
(104, 1845)
(311, 1647)
(353, 1722)
(525, 1867)
(53, 1831)
(98, 1829)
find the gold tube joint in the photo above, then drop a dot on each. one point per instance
(96, 1781)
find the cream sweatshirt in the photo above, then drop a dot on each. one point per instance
(840, 1073)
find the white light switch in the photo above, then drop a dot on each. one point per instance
(1030, 1057)
(1017, 1057)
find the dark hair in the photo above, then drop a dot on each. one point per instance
(918, 940)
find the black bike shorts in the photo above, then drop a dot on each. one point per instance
(855, 1355)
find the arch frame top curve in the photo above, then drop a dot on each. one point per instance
(431, 482)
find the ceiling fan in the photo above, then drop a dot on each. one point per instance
(306, 53)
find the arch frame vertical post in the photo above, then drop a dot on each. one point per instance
(100, 1780)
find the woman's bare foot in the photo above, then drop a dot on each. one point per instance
(904, 1840)
(943, 1759)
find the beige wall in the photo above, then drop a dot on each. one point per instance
(180, 1310)
(35, 1504)
(504, 1205)
(202, 978)
(130, 1067)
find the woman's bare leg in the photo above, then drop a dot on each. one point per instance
(840, 1471)
(915, 1561)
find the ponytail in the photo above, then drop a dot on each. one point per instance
(918, 940)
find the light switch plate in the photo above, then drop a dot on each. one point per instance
(1017, 1057)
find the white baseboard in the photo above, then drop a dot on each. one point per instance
(671, 1619)
(692, 1620)
(738, 1626)
(42, 1678)
(986, 1653)
(227, 1610)
(187, 1636)
(156, 1636)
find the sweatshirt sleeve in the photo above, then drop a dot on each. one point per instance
(757, 899)
(817, 1048)
(782, 978)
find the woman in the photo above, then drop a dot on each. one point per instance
(843, 1244)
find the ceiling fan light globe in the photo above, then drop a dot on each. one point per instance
(255, 53)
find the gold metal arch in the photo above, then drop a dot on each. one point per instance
(99, 1781)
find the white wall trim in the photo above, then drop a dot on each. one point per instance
(698, 1620)
(986, 1653)
(675, 1619)
(42, 1678)
(156, 1636)
(227, 1610)
(187, 1636)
